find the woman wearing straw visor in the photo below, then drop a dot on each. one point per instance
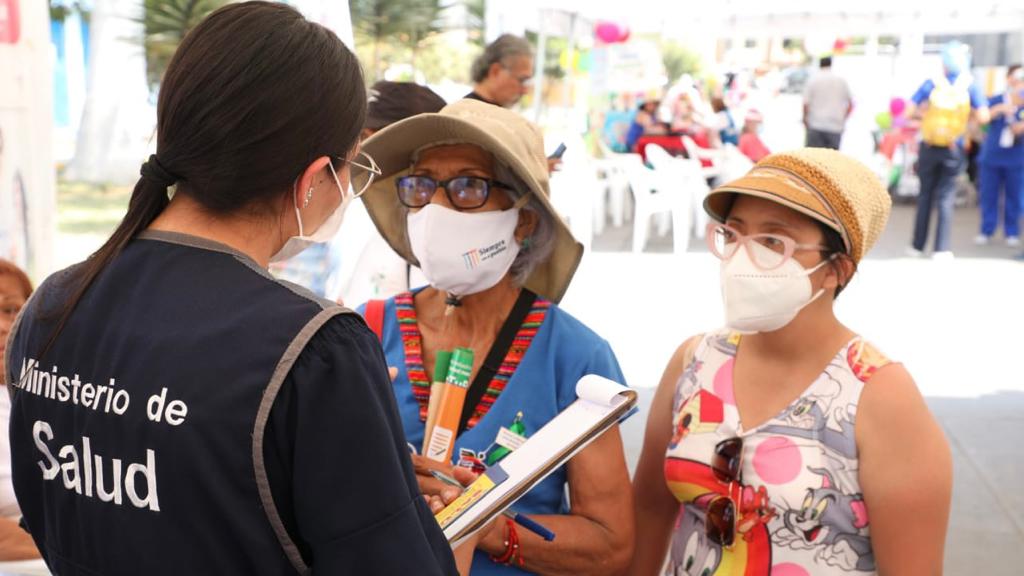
(785, 443)
(464, 196)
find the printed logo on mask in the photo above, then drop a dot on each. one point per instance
(474, 258)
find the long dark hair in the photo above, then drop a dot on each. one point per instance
(252, 96)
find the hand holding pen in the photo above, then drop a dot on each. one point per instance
(525, 522)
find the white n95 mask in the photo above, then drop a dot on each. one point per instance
(463, 253)
(296, 244)
(764, 301)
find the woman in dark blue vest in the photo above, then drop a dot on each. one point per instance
(175, 409)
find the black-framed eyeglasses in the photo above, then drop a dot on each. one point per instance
(720, 516)
(463, 192)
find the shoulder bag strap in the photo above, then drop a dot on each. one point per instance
(496, 355)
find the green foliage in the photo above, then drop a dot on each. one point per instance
(61, 9)
(476, 20)
(679, 60)
(387, 24)
(165, 23)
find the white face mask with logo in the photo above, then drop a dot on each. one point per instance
(463, 253)
(323, 233)
(764, 301)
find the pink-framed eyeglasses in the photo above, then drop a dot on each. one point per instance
(723, 241)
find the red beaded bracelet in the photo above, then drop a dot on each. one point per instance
(512, 550)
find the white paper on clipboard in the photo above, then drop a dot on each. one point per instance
(600, 405)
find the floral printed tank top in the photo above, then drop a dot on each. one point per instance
(799, 506)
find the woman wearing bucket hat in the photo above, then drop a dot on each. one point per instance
(793, 445)
(463, 194)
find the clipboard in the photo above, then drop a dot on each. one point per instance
(601, 403)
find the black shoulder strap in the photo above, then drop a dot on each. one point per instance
(496, 355)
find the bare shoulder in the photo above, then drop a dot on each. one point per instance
(889, 391)
(891, 406)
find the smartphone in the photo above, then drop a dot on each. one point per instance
(558, 151)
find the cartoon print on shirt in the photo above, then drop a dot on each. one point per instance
(831, 521)
(726, 343)
(688, 382)
(701, 413)
(809, 418)
(755, 510)
(864, 360)
(692, 553)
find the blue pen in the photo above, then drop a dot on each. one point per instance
(530, 525)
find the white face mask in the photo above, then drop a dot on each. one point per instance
(463, 253)
(764, 301)
(325, 232)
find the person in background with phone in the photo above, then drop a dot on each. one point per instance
(555, 159)
(503, 73)
(472, 210)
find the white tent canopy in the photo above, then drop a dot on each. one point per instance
(778, 17)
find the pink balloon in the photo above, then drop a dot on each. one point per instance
(897, 106)
(610, 32)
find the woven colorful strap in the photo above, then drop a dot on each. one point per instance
(412, 343)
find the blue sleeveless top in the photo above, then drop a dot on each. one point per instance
(544, 384)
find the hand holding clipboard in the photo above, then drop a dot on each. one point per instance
(601, 404)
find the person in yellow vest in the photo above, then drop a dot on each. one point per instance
(944, 105)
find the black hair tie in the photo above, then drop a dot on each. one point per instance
(155, 172)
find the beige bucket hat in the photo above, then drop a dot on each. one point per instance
(824, 184)
(514, 141)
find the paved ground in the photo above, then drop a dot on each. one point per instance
(954, 324)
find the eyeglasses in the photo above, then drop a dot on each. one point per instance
(522, 80)
(370, 167)
(720, 516)
(463, 192)
(723, 241)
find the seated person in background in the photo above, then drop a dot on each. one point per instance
(750, 140)
(15, 543)
(727, 131)
(645, 123)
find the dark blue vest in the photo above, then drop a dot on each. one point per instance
(141, 430)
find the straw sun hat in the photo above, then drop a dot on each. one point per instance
(515, 143)
(824, 184)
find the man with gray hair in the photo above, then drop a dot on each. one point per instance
(503, 73)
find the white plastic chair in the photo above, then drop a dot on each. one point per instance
(656, 192)
(574, 189)
(713, 155)
(615, 166)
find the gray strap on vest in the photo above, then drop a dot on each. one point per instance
(284, 366)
